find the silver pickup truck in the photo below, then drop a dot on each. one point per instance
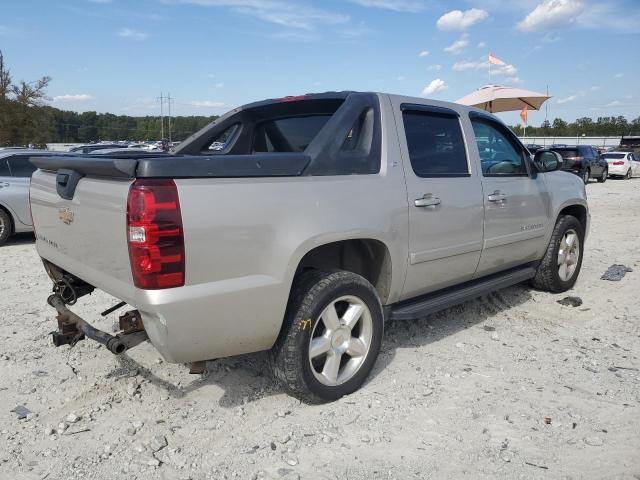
(300, 225)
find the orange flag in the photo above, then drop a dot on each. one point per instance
(523, 114)
(495, 60)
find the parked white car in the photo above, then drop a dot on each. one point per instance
(622, 164)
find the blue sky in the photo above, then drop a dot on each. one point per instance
(212, 55)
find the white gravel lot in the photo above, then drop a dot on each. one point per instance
(512, 385)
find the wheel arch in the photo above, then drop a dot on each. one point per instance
(577, 210)
(12, 220)
(367, 257)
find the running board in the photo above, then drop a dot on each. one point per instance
(434, 302)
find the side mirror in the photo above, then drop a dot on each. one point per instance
(547, 160)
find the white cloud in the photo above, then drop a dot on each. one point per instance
(507, 70)
(207, 104)
(132, 34)
(595, 88)
(401, 78)
(434, 86)
(461, 20)
(280, 12)
(435, 66)
(552, 13)
(412, 6)
(615, 103)
(423, 53)
(568, 99)
(618, 75)
(219, 85)
(457, 47)
(481, 44)
(77, 97)
(512, 80)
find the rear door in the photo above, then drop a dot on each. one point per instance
(516, 202)
(15, 188)
(444, 197)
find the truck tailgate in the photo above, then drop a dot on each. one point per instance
(87, 236)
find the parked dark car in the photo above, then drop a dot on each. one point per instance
(584, 161)
(533, 147)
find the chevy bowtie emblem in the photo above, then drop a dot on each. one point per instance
(66, 215)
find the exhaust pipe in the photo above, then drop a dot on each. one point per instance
(73, 328)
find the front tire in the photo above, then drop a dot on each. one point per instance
(586, 176)
(331, 335)
(560, 266)
(605, 174)
(6, 227)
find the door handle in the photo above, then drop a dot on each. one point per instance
(497, 196)
(428, 200)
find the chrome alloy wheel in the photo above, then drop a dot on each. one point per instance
(340, 340)
(568, 255)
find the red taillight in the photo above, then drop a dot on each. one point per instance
(619, 162)
(154, 234)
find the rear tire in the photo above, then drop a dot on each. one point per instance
(331, 335)
(605, 174)
(628, 175)
(6, 226)
(560, 266)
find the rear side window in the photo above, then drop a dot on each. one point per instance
(567, 152)
(293, 134)
(435, 143)
(613, 156)
(499, 154)
(21, 167)
(4, 168)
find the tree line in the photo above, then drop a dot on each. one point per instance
(600, 127)
(25, 118)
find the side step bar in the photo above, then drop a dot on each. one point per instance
(434, 302)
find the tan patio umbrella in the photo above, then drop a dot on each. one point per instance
(494, 98)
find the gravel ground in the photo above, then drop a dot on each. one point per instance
(512, 385)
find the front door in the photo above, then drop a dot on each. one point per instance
(516, 202)
(444, 196)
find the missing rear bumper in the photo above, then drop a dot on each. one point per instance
(72, 329)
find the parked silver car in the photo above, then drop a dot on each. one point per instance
(15, 175)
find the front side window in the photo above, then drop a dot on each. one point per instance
(21, 167)
(499, 155)
(435, 143)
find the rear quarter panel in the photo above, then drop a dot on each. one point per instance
(244, 240)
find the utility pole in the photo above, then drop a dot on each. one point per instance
(161, 116)
(169, 102)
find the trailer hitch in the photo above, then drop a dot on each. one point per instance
(72, 329)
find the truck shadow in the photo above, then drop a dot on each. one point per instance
(247, 378)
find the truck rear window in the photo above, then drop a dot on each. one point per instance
(292, 134)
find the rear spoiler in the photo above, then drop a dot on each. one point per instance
(177, 166)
